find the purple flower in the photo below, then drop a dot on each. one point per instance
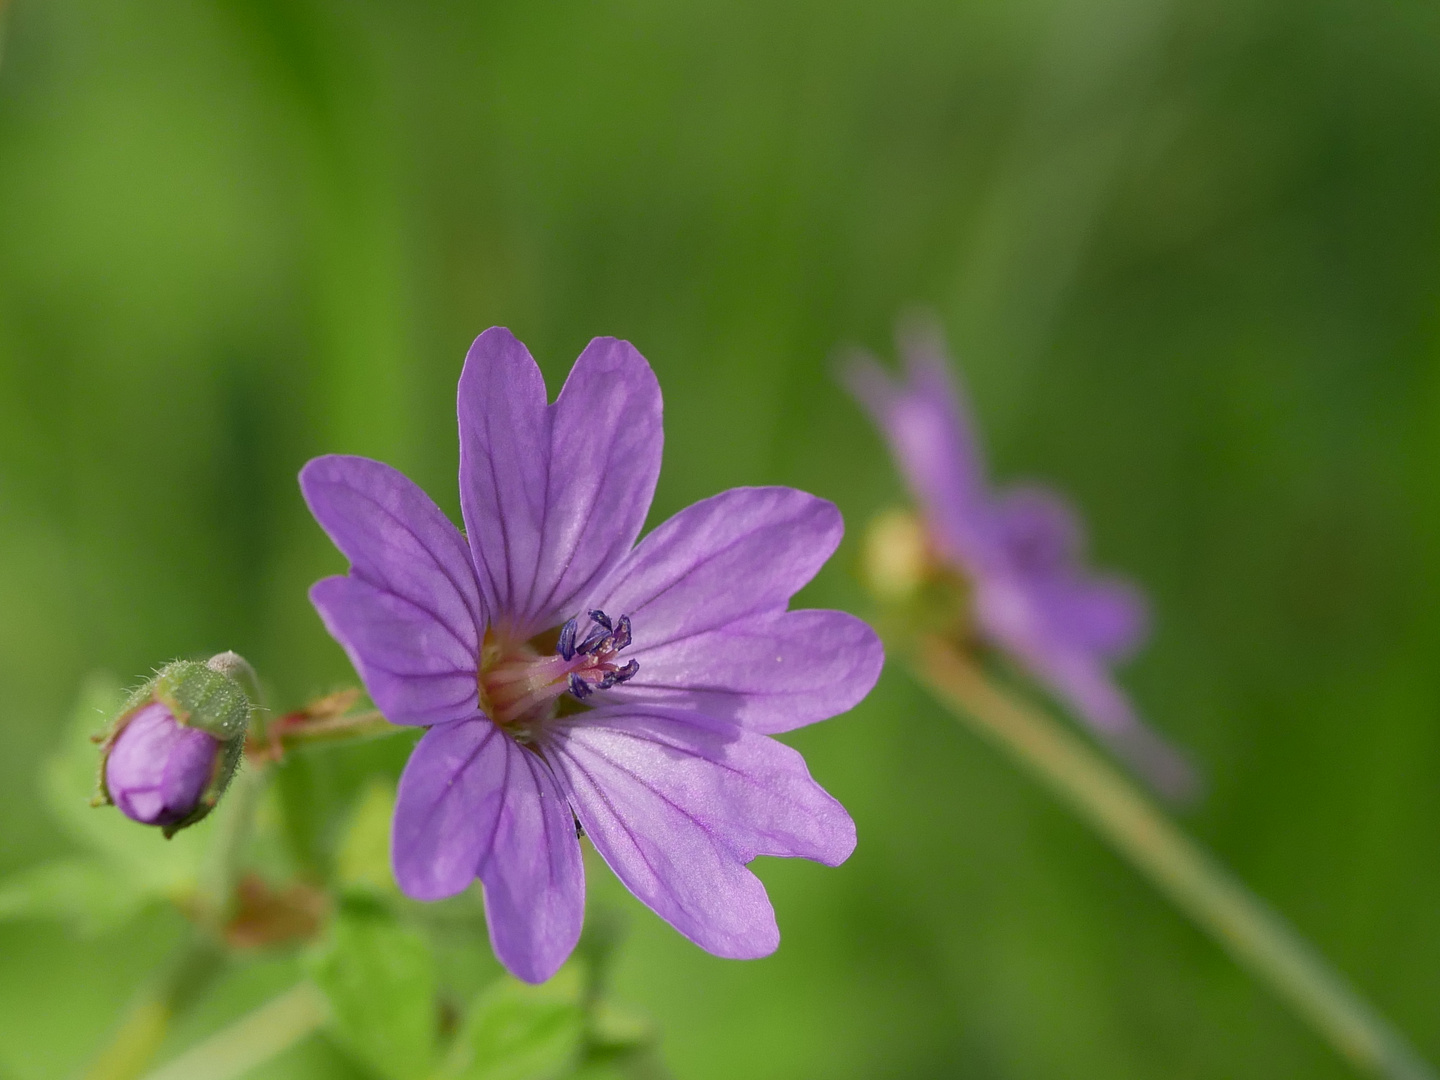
(157, 770)
(1020, 551)
(571, 678)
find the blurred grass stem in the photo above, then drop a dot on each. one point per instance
(253, 1039)
(1255, 935)
(141, 1033)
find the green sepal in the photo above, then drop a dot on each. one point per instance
(201, 697)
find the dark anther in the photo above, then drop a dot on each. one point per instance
(603, 619)
(619, 675)
(594, 641)
(579, 687)
(622, 632)
(566, 646)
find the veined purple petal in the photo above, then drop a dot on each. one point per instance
(676, 804)
(504, 466)
(473, 802)
(735, 554)
(396, 539)
(554, 496)
(768, 673)
(606, 440)
(416, 669)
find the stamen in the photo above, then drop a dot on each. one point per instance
(594, 641)
(566, 646)
(519, 684)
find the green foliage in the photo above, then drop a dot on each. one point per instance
(85, 892)
(380, 979)
(515, 1031)
(363, 858)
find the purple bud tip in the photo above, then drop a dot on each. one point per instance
(157, 770)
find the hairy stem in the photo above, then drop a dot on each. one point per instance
(1256, 936)
(253, 1039)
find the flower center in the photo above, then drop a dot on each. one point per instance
(521, 682)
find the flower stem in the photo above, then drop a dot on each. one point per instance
(1256, 936)
(227, 846)
(144, 1028)
(253, 1039)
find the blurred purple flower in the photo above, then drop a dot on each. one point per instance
(158, 769)
(1020, 551)
(570, 676)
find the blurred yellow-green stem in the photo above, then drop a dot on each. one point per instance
(1254, 934)
(143, 1030)
(253, 1039)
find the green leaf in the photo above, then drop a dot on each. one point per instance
(618, 1028)
(87, 893)
(380, 979)
(140, 855)
(363, 859)
(516, 1031)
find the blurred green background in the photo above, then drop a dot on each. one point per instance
(1187, 256)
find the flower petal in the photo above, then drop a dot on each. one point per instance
(605, 451)
(554, 496)
(396, 539)
(1105, 616)
(504, 460)
(473, 802)
(1081, 680)
(415, 668)
(768, 673)
(927, 425)
(739, 553)
(677, 804)
(1039, 530)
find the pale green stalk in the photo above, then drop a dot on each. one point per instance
(253, 1039)
(234, 824)
(146, 1024)
(1256, 936)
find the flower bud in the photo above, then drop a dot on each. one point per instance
(175, 745)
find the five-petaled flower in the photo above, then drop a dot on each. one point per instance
(570, 676)
(1019, 551)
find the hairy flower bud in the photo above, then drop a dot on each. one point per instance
(175, 745)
